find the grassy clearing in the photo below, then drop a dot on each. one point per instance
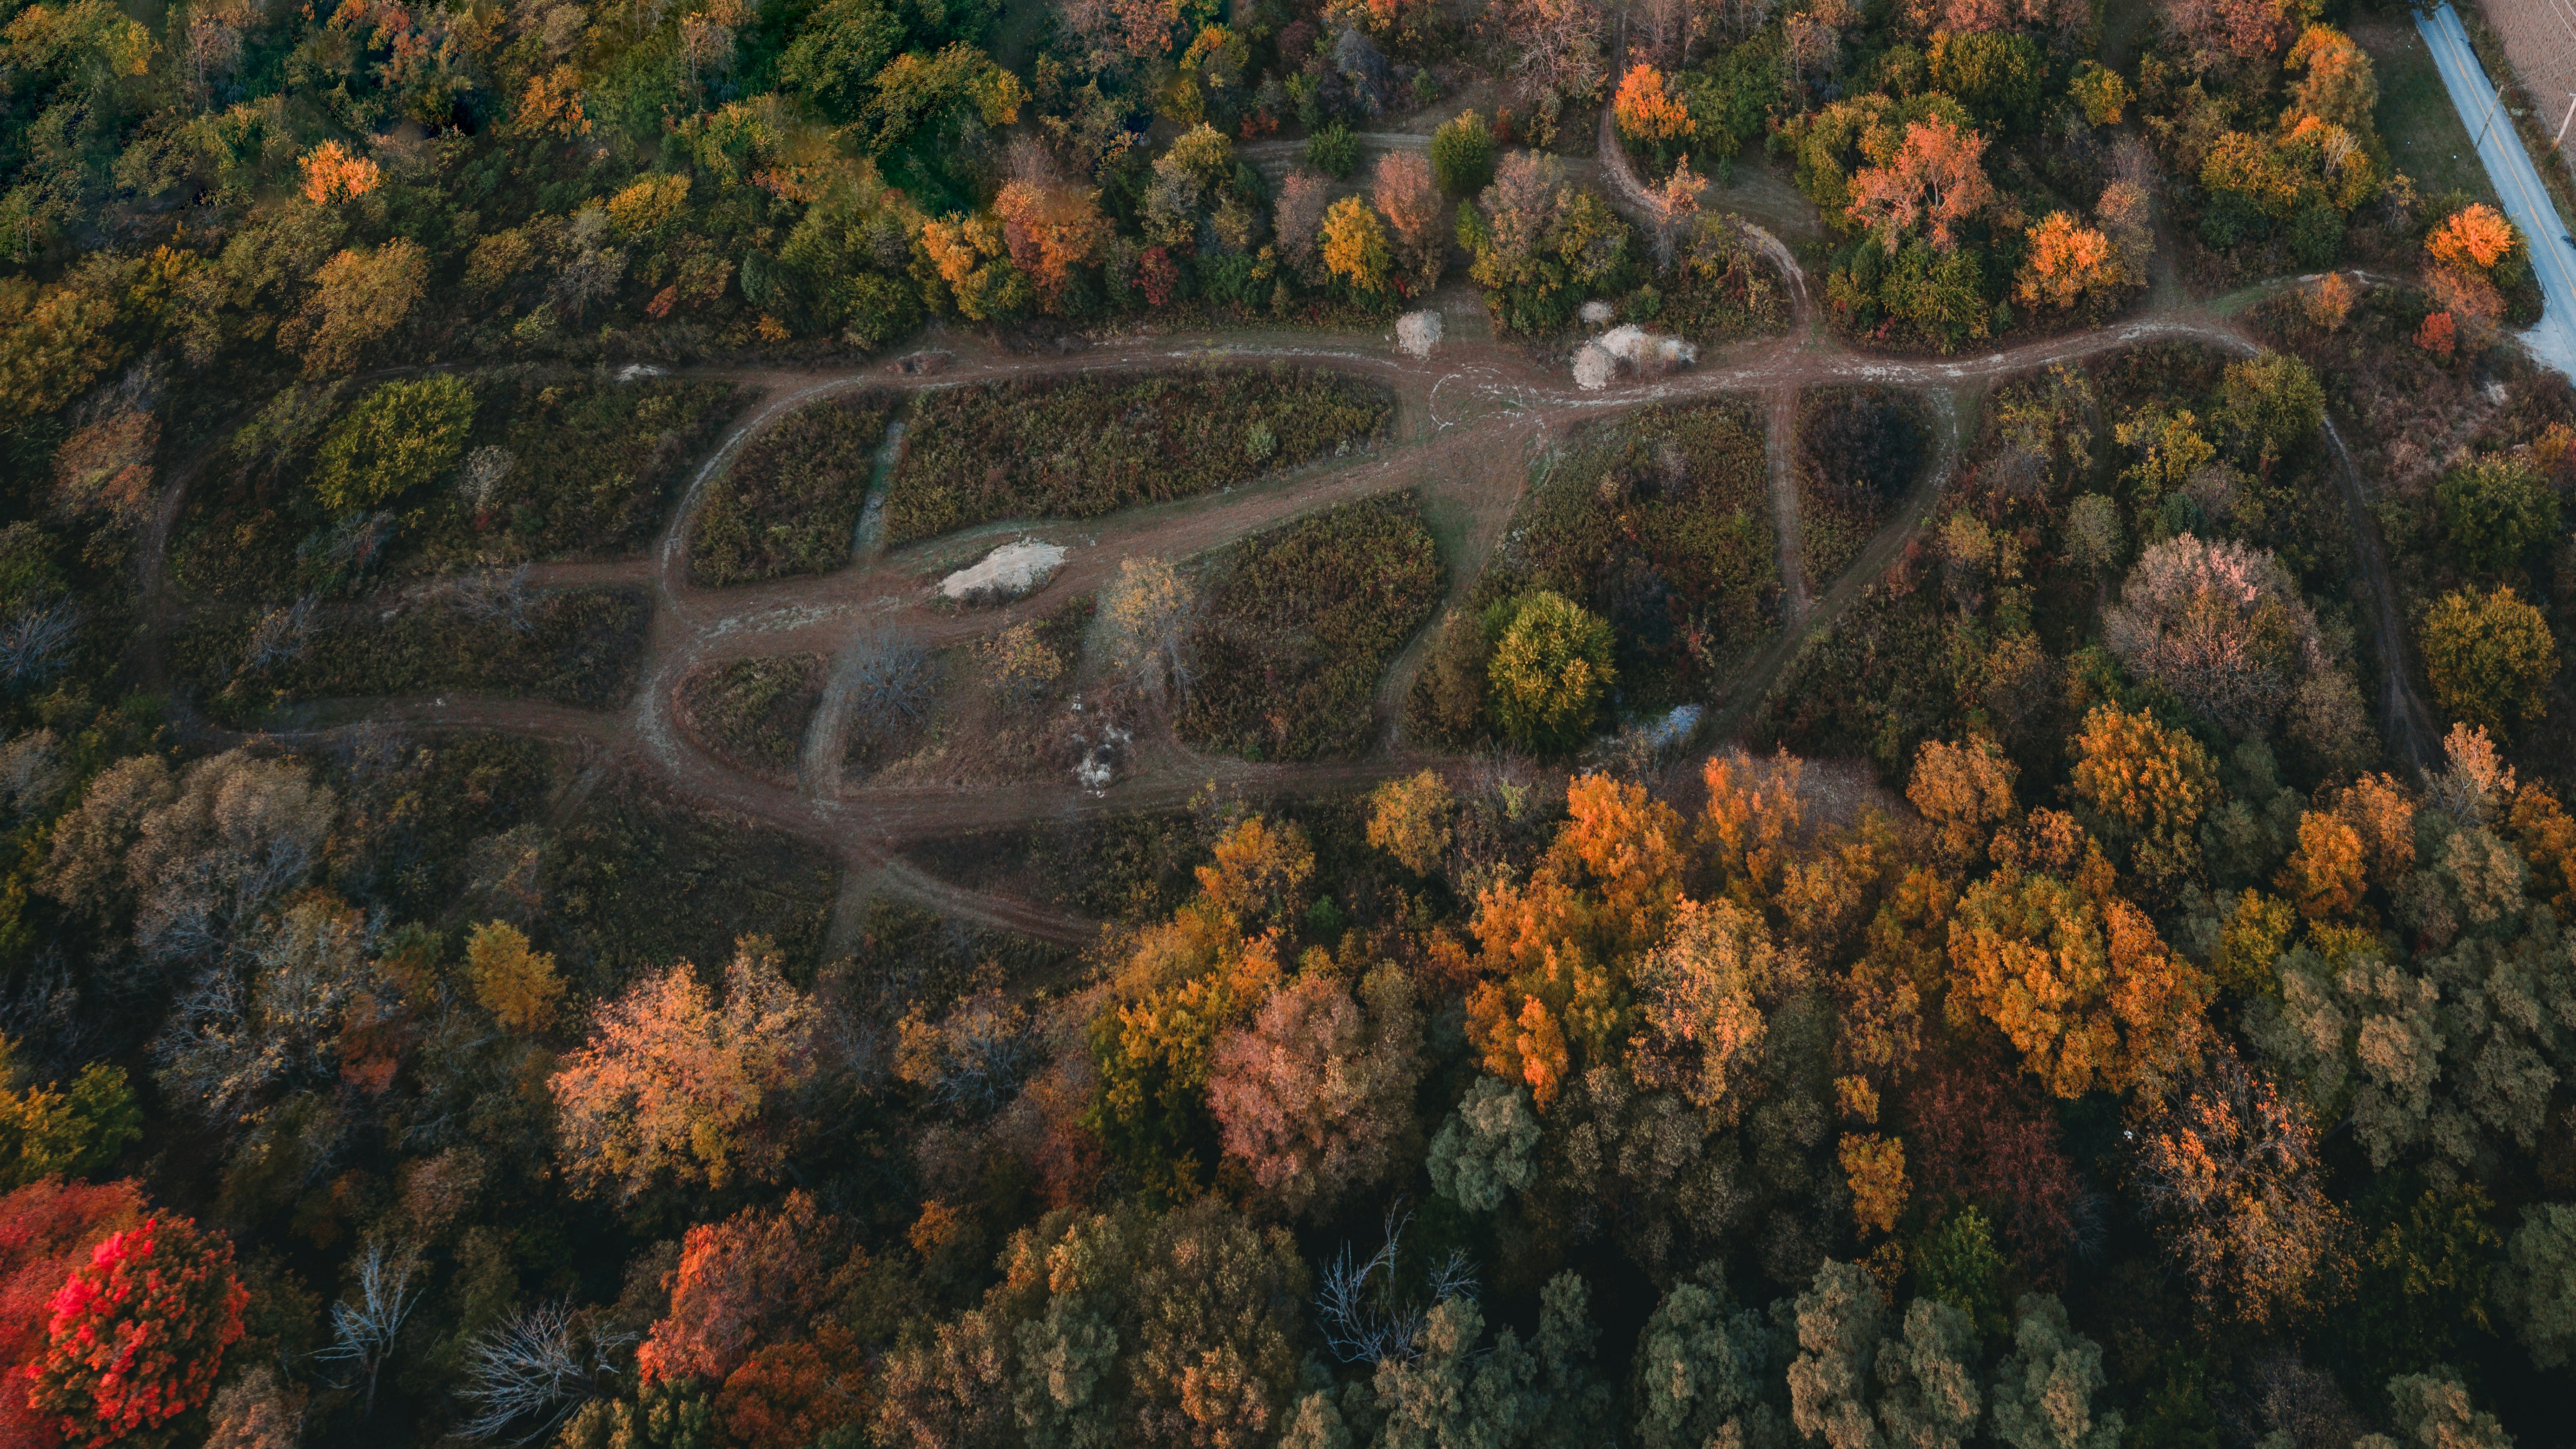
(578, 647)
(1302, 623)
(638, 880)
(790, 503)
(1080, 447)
(2426, 138)
(996, 712)
(753, 712)
(594, 467)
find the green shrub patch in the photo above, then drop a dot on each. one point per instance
(1662, 525)
(754, 711)
(1300, 624)
(577, 647)
(790, 503)
(1084, 446)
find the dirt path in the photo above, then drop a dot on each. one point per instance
(1779, 445)
(2409, 725)
(1470, 422)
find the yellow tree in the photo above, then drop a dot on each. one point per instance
(2077, 980)
(517, 985)
(1355, 245)
(2148, 786)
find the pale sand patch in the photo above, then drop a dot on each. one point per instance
(1011, 570)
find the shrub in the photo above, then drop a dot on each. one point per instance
(1462, 156)
(2490, 657)
(790, 504)
(1084, 446)
(754, 711)
(2495, 509)
(1550, 669)
(1334, 151)
(1301, 624)
(402, 436)
(1446, 708)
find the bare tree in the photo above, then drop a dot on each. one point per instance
(363, 1333)
(36, 644)
(1364, 1320)
(280, 637)
(497, 595)
(534, 1370)
(486, 469)
(1149, 613)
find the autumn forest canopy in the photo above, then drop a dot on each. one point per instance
(1335, 724)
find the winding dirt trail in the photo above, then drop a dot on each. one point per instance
(1469, 422)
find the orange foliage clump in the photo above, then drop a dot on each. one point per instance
(1553, 948)
(737, 1280)
(552, 105)
(789, 1395)
(1647, 109)
(2077, 979)
(1050, 230)
(1965, 789)
(2067, 259)
(1875, 1167)
(671, 1084)
(2547, 837)
(2330, 301)
(332, 172)
(1936, 180)
(2475, 238)
(2437, 336)
(2324, 875)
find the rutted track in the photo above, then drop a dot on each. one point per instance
(1467, 420)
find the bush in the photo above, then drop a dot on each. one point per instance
(1334, 151)
(1080, 447)
(2495, 509)
(2491, 658)
(402, 436)
(1549, 672)
(1446, 708)
(1462, 156)
(1302, 624)
(754, 711)
(790, 503)
(579, 647)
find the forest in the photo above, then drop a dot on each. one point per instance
(1278, 724)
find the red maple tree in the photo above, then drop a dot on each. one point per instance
(139, 1331)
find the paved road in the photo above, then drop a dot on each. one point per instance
(2525, 199)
